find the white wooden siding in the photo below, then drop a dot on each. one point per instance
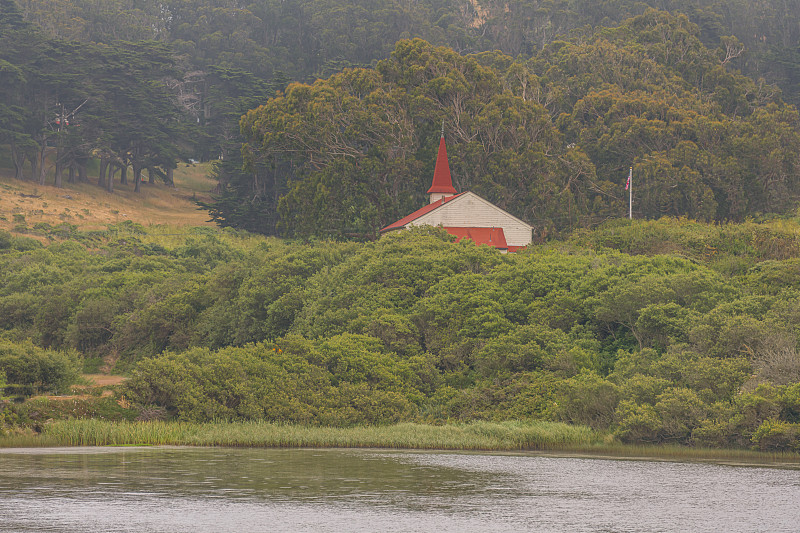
(471, 211)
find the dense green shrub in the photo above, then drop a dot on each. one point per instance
(40, 411)
(30, 370)
(777, 435)
(416, 327)
(343, 380)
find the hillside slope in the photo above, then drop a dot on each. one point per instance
(24, 204)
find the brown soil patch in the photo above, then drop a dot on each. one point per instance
(95, 380)
(101, 380)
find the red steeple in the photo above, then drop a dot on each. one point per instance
(442, 181)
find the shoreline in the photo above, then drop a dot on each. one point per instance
(758, 459)
(516, 438)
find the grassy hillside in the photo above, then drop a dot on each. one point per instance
(24, 204)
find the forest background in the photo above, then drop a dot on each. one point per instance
(324, 118)
(545, 104)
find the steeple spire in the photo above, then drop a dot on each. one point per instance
(442, 186)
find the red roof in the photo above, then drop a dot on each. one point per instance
(442, 181)
(490, 236)
(419, 212)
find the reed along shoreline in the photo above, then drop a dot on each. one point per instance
(509, 436)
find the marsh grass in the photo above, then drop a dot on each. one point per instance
(476, 436)
(473, 436)
(686, 453)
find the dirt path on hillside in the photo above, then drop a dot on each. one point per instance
(101, 380)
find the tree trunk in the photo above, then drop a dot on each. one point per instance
(110, 181)
(59, 169)
(170, 177)
(83, 176)
(123, 174)
(19, 160)
(34, 166)
(151, 176)
(137, 178)
(71, 175)
(101, 178)
(42, 166)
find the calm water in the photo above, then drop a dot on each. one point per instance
(210, 490)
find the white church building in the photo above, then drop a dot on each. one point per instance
(465, 215)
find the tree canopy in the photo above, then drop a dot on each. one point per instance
(106, 100)
(548, 138)
(666, 84)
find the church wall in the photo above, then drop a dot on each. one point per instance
(472, 211)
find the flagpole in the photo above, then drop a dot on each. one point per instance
(630, 193)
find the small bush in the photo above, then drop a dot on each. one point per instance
(776, 435)
(31, 370)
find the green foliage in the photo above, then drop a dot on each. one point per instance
(777, 435)
(414, 327)
(110, 100)
(637, 422)
(647, 93)
(527, 348)
(579, 91)
(28, 369)
(338, 381)
(749, 242)
(587, 399)
(38, 412)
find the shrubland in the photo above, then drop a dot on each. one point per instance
(666, 331)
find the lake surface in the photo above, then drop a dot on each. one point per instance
(221, 489)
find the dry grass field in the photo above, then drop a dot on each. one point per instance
(23, 204)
